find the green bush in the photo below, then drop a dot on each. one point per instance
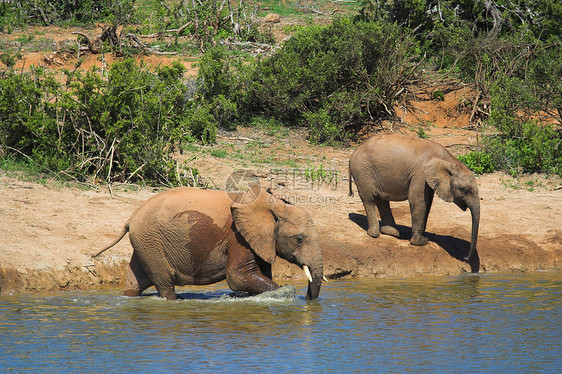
(321, 68)
(322, 128)
(224, 112)
(219, 86)
(46, 12)
(537, 148)
(478, 162)
(123, 128)
(518, 101)
(216, 74)
(202, 124)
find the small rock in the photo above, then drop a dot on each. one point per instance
(273, 18)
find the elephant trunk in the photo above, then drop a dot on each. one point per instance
(315, 276)
(475, 210)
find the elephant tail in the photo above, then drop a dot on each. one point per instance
(350, 186)
(123, 232)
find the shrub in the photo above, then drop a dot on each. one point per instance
(216, 74)
(57, 11)
(219, 86)
(202, 124)
(518, 102)
(321, 67)
(538, 148)
(322, 128)
(123, 128)
(224, 112)
(478, 162)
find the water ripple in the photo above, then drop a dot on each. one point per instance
(482, 323)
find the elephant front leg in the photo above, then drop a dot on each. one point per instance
(243, 273)
(419, 216)
(420, 198)
(418, 225)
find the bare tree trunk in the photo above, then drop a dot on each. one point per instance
(492, 9)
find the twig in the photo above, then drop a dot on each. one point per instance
(134, 172)
(160, 33)
(110, 167)
(474, 107)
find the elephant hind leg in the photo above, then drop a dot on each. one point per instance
(159, 271)
(372, 220)
(137, 279)
(387, 219)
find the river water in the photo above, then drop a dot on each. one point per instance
(470, 323)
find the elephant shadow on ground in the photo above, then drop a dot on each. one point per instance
(455, 247)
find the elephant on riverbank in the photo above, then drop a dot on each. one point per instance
(190, 236)
(395, 167)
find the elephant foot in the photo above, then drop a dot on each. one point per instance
(419, 241)
(373, 233)
(390, 230)
(168, 293)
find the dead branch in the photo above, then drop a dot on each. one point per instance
(252, 47)
(108, 33)
(93, 46)
(146, 48)
(311, 9)
(160, 33)
(474, 107)
(498, 20)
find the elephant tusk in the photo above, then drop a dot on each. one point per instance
(307, 273)
(325, 279)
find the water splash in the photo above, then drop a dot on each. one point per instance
(283, 293)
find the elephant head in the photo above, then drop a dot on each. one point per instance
(454, 182)
(273, 228)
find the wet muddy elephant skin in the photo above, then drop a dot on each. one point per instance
(395, 167)
(189, 236)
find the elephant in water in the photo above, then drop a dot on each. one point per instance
(395, 167)
(190, 236)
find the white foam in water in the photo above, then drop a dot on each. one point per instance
(283, 293)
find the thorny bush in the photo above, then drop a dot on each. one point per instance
(122, 126)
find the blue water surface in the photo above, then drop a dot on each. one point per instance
(484, 323)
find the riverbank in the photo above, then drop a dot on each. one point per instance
(49, 229)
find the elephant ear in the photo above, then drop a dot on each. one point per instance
(257, 224)
(438, 175)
